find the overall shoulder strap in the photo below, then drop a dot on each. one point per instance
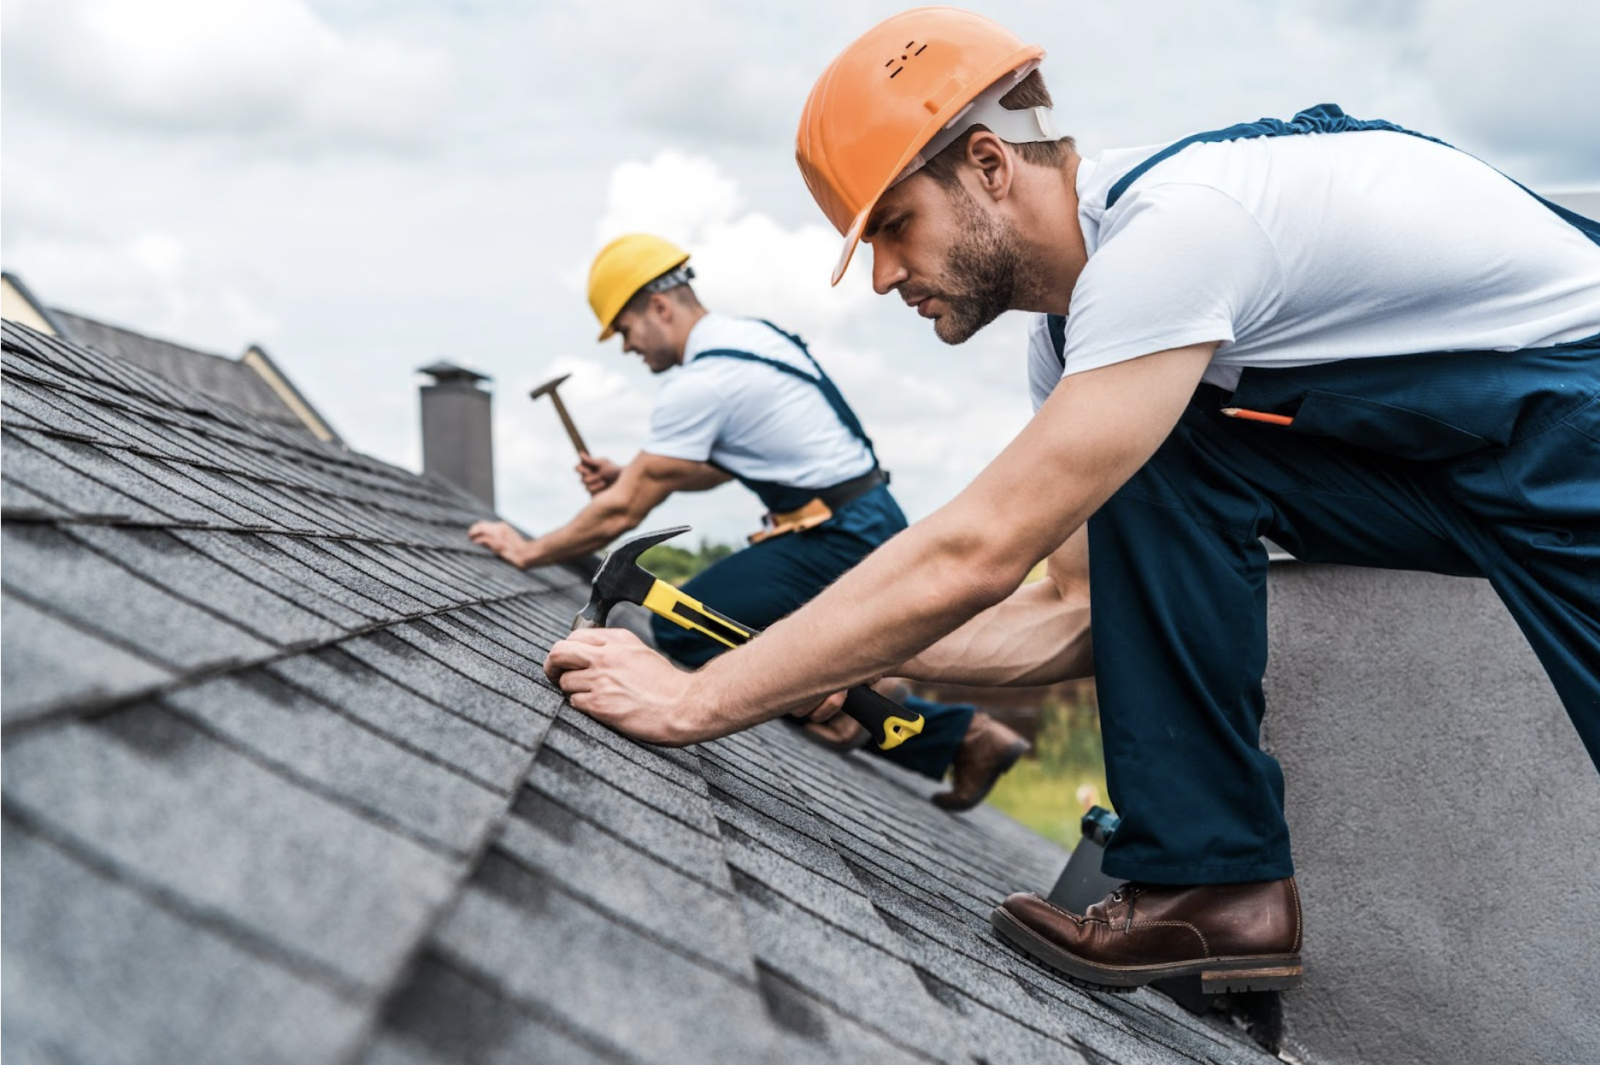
(750, 356)
(1323, 118)
(822, 382)
(1057, 324)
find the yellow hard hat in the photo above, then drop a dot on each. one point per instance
(625, 266)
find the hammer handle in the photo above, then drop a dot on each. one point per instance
(889, 723)
(566, 420)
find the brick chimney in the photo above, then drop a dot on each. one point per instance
(456, 437)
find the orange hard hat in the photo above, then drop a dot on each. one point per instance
(889, 95)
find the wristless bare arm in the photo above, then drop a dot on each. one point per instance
(641, 487)
(1039, 634)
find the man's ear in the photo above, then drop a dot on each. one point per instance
(988, 155)
(660, 306)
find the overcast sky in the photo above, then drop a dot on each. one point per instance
(366, 186)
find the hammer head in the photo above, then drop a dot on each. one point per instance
(621, 579)
(548, 386)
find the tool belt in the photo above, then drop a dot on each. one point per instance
(819, 508)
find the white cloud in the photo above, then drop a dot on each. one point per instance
(1519, 78)
(245, 68)
(355, 267)
(675, 195)
(701, 70)
(746, 262)
(151, 281)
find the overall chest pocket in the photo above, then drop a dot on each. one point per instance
(1383, 427)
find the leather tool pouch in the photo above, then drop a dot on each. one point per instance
(814, 513)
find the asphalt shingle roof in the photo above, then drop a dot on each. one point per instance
(283, 781)
(230, 380)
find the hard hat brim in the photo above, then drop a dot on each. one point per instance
(852, 238)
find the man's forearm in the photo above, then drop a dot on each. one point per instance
(639, 488)
(1037, 636)
(596, 525)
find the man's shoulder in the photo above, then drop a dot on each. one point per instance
(1250, 166)
(1099, 172)
(692, 384)
(730, 331)
(744, 336)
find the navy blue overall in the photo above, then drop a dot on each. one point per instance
(771, 579)
(1483, 464)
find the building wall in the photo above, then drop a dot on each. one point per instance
(16, 307)
(1446, 825)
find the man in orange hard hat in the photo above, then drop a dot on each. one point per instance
(744, 400)
(1336, 333)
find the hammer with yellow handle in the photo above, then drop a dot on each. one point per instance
(621, 579)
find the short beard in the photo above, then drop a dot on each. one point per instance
(982, 270)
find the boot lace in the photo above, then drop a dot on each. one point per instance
(1127, 893)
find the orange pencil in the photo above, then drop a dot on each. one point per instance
(1257, 416)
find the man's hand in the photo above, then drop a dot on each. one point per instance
(613, 677)
(597, 473)
(823, 711)
(500, 538)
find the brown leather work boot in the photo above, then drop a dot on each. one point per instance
(1234, 937)
(987, 751)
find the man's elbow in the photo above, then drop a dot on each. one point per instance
(610, 515)
(979, 569)
(618, 523)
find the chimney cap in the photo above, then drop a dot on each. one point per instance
(445, 372)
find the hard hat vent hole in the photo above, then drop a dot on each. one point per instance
(905, 57)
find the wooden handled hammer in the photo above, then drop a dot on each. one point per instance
(549, 388)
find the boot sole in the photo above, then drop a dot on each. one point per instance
(1262, 972)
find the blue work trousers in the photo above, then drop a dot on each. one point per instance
(764, 582)
(1481, 464)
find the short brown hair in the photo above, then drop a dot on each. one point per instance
(681, 294)
(1030, 92)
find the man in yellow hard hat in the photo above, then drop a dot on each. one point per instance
(744, 400)
(1336, 333)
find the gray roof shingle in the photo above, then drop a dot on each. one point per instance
(283, 781)
(229, 380)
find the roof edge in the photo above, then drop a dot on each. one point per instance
(258, 360)
(52, 324)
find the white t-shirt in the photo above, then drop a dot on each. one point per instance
(753, 420)
(1297, 250)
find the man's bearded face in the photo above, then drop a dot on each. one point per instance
(979, 277)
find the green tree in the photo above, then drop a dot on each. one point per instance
(675, 565)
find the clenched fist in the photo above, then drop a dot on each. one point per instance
(598, 473)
